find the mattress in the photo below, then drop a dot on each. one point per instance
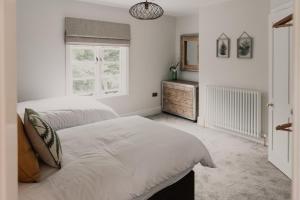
(128, 158)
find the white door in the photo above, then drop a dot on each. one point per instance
(280, 142)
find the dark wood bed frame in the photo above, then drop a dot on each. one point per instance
(184, 189)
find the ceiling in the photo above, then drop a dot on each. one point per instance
(171, 7)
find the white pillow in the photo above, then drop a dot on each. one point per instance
(67, 112)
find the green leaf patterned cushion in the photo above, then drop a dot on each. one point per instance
(43, 138)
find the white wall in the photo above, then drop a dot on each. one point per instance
(186, 25)
(277, 3)
(41, 51)
(233, 18)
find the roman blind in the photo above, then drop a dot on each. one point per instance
(84, 31)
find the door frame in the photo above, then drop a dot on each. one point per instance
(296, 126)
(8, 130)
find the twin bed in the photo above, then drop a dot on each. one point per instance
(107, 157)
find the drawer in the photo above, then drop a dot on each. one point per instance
(188, 94)
(179, 110)
(180, 102)
(189, 114)
(178, 93)
(178, 86)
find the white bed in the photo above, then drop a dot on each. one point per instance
(128, 158)
(66, 112)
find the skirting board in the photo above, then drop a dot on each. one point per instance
(144, 112)
(257, 140)
(201, 122)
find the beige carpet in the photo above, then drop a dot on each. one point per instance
(242, 173)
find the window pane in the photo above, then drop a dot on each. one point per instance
(83, 54)
(111, 69)
(111, 55)
(83, 71)
(111, 85)
(84, 87)
(91, 76)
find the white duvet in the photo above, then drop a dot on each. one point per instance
(119, 159)
(66, 112)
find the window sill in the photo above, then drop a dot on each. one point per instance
(111, 96)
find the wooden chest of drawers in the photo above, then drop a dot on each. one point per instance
(180, 98)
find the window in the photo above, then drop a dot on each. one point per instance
(97, 70)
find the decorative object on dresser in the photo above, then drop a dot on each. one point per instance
(223, 46)
(189, 51)
(245, 46)
(174, 71)
(180, 98)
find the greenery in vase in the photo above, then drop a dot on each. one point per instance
(174, 70)
(175, 67)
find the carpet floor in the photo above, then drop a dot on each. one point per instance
(243, 171)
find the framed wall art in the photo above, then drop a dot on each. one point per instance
(223, 46)
(245, 46)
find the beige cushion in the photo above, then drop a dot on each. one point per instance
(43, 138)
(29, 170)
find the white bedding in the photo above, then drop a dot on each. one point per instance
(66, 112)
(120, 159)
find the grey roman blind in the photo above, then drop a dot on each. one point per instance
(84, 31)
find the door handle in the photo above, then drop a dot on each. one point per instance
(270, 105)
(284, 127)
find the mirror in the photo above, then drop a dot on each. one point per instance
(190, 52)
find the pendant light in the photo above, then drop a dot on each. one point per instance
(146, 11)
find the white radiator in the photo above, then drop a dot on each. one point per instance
(234, 109)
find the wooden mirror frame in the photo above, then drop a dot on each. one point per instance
(183, 41)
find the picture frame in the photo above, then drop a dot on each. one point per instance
(245, 46)
(223, 46)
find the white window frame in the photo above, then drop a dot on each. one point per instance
(124, 73)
